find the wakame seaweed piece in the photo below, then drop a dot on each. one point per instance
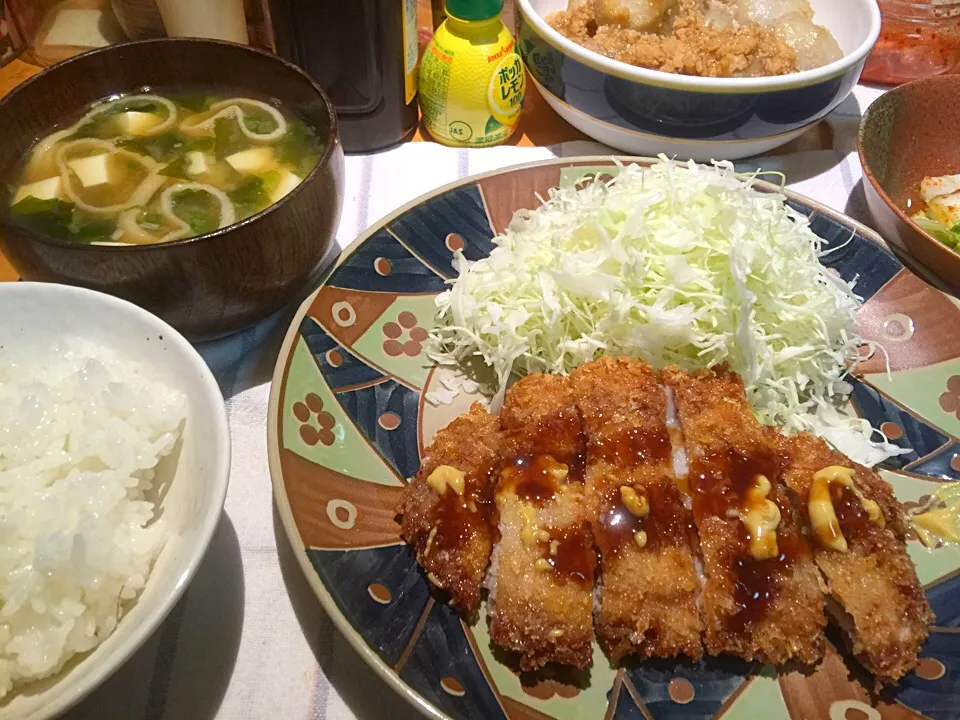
(49, 217)
(58, 218)
(198, 209)
(162, 148)
(91, 229)
(228, 137)
(176, 168)
(204, 143)
(152, 218)
(195, 102)
(299, 147)
(271, 181)
(259, 125)
(99, 126)
(250, 198)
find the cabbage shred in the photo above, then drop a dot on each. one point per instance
(674, 264)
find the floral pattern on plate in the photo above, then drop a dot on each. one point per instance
(353, 368)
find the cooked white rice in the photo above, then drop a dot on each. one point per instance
(81, 431)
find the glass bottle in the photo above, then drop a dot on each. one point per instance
(363, 53)
(917, 40)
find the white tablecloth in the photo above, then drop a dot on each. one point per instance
(248, 640)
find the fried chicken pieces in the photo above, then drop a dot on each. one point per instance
(594, 516)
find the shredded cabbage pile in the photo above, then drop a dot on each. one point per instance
(674, 264)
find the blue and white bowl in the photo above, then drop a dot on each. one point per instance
(646, 112)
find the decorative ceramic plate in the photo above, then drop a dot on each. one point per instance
(349, 420)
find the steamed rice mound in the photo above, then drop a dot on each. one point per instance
(81, 432)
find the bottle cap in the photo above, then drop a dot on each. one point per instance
(474, 9)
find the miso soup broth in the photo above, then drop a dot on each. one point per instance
(160, 166)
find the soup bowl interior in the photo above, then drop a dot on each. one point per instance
(907, 134)
(190, 484)
(210, 284)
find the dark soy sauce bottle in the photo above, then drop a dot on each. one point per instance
(363, 53)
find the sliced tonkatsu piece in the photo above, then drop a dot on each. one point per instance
(448, 513)
(541, 577)
(646, 537)
(762, 598)
(856, 530)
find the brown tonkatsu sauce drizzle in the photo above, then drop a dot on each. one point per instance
(720, 483)
(575, 557)
(712, 494)
(627, 448)
(631, 447)
(459, 519)
(758, 581)
(577, 467)
(617, 526)
(854, 520)
(532, 479)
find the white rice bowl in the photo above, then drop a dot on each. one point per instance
(103, 554)
(82, 430)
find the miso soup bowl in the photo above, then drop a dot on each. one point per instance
(205, 286)
(647, 112)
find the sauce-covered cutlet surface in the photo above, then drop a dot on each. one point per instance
(450, 519)
(643, 531)
(603, 516)
(541, 586)
(759, 603)
(882, 607)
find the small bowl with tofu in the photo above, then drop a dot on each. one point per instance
(909, 144)
(698, 79)
(201, 180)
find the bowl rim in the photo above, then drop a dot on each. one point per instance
(693, 83)
(330, 147)
(219, 477)
(868, 114)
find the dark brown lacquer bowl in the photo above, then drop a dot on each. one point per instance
(206, 286)
(907, 134)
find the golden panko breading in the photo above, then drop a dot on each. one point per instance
(541, 594)
(645, 535)
(712, 532)
(883, 609)
(453, 527)
(770, 607)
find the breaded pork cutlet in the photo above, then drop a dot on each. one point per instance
(645, 535)
(762, 598)
(856, 530)
(541, 577)
(448, 511)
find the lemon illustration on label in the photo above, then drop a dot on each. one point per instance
(472, 80)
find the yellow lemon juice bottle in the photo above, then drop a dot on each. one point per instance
(472, 80)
